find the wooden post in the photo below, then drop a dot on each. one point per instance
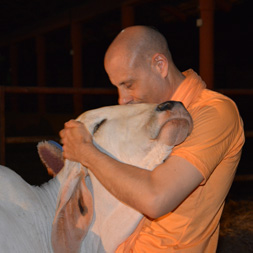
(41, 70)
(206, 41)
(14, 64)
(76, 38)
(127, 15)
(14, 74)
(2, 126)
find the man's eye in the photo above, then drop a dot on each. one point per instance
(128, 85)
(98, 125)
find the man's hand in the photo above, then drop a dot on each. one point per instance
(74, 137)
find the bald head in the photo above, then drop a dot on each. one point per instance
(138, 43)
(139, 64)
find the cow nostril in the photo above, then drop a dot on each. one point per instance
(168, 105)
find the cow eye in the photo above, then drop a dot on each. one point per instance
(98, 125)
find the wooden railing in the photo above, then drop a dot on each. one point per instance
(230, 92)
(37, 90)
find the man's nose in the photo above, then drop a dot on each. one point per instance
(124, 98)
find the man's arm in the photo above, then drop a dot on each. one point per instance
(153, 193)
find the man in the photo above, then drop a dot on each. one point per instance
(182, 198)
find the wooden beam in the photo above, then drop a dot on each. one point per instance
(173, 11)
(78, 14)
(14, 64)
(81, 13)
(59, 90)
(41, 70)
(14, 73)
(2, 125)
(127, 15)
(206, 41)
(41, 60)
(76, 39)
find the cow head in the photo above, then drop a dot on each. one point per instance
(131, 131)
(128, 133)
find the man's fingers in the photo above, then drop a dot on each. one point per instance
(62, 133)
(67, 125)
(72, 137)
(72, 123)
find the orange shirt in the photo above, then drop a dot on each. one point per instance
(214, 148)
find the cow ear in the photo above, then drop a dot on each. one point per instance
(175, 132)
(73, 213)
(50, 153)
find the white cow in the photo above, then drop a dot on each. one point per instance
(142, 135)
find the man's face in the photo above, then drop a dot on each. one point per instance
(135, 83)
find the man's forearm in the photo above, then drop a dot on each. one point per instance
(153, 193)
(128, 183)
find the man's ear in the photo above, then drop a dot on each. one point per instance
(160, 62)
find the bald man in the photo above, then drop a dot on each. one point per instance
(183, 198)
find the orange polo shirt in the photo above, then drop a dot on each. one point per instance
(214, 148)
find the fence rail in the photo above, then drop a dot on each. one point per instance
(236, 91)
(37, 90)
(58, 90)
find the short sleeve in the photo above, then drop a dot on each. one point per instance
(216, 135)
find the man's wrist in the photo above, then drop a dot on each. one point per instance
(88, 152)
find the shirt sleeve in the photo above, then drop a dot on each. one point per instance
(217, 130)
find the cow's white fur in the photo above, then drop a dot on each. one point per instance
(27, 212)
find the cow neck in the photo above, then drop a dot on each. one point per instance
(156, 156)
(47, 196)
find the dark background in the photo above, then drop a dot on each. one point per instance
(176, 19)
